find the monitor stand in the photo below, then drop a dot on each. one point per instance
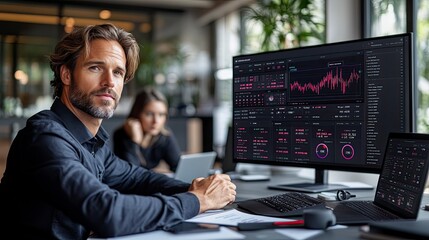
(321, 185)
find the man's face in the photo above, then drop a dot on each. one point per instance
(97, 81)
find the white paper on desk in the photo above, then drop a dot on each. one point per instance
(302, 233)
(232, 218)
(223, 233)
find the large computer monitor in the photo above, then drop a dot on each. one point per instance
(327, 107)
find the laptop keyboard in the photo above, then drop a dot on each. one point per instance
(370, 210)
(290, 201)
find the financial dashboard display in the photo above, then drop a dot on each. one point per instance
(330, 106)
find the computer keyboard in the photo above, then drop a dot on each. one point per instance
(290, 201)
(370, 210)
(282, 205)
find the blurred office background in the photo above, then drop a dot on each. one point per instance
(187, 49)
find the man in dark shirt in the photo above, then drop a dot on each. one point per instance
(62, 180)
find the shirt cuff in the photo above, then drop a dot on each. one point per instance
(191, 205)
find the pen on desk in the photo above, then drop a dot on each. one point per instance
(268, 225)
(296, 223)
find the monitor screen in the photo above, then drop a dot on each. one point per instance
(329, 106)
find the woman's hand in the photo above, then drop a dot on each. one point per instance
(134, 130)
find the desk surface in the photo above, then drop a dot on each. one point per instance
(248, 190)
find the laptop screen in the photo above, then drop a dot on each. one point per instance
(402, 180)
(194, 165)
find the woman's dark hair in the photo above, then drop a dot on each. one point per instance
(142, 99)
(72, 45)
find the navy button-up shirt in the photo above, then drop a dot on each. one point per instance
(62, 183)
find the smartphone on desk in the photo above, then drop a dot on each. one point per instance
(191, 227)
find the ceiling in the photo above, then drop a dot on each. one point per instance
(206, 10)
(167, 4)
(15, 15)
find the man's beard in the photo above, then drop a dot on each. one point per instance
(83, 101)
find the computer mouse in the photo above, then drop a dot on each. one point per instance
(313, 219)
(318, 218)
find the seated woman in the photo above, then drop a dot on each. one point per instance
(144, 139)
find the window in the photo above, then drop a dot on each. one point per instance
(275, 25)
(422, 50)
(387, 17)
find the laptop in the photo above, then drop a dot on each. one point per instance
(403, 229)
(400, 185)
(194, 165)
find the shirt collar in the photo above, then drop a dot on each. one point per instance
(74, 125)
